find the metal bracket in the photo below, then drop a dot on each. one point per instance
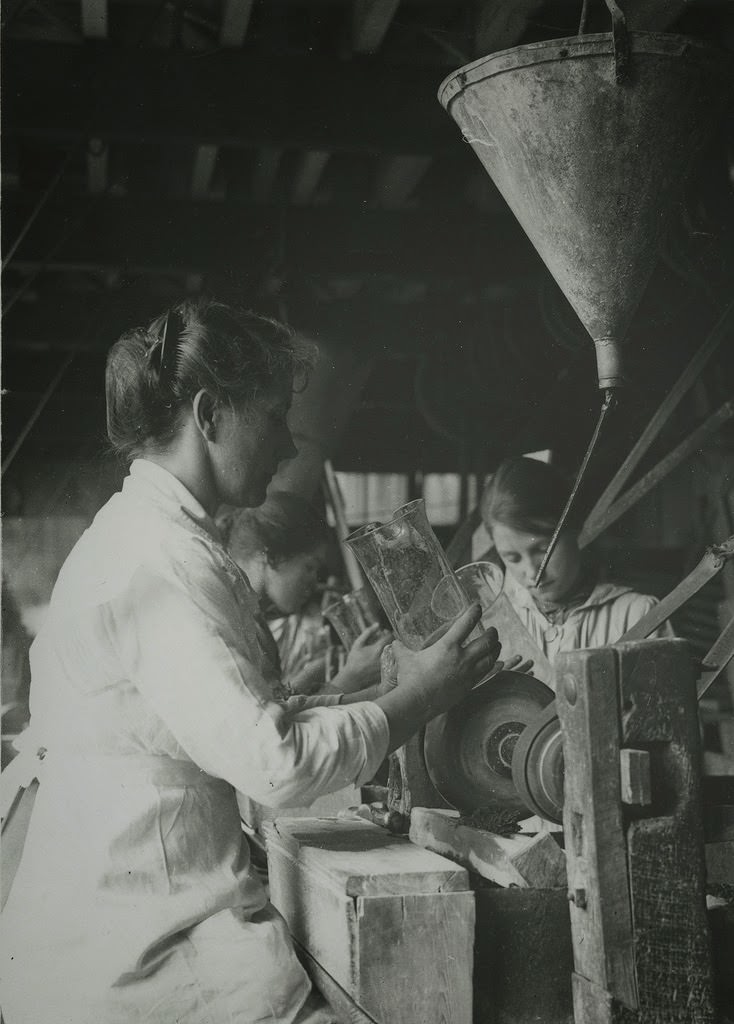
(620, 42)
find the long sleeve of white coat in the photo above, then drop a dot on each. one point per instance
(186, 656)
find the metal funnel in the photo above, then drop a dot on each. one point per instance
(591, 156)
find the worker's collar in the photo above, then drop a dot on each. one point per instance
(600, 594)
(158, 484)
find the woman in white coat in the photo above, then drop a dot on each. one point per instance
(152, 702)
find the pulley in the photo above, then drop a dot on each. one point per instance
(469, 749)
(537, 766)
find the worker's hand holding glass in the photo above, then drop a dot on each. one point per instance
(362, 667)
(418, 685)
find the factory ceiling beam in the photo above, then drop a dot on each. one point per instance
(94, 26)
(153, 236)
(499, 25)
(164, 97)
(202, 174)
(235, 21)
(397, 178)
(94, 19)
(370, 21)
(311, 166)
(264, 173)
(97, 164)
(232, 32)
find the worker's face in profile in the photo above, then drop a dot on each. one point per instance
(253, 440)
(292, 581)
(522, 554)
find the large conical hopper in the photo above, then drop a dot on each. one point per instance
(592, 168)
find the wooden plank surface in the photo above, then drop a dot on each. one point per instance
(592, 1004)
(362, 859)
(400, 955)
(415, 957)
(720, 863)
(521, 860)
(666, 853)
(332, 991)
(522, 957)
(601, 921)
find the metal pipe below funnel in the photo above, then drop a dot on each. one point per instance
(609, 403)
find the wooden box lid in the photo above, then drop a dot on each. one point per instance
(363, 859)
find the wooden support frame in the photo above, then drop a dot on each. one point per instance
(722, 330)
(97, 166)
(370, 21)
(636, 878)
(235, 21)
(311, 166)
(397, 178)
(264, 173)
(94, 19)
(653, 477)
(202, 173)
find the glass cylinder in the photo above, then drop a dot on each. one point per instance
(405, 563)
(350, 615)
(482, 582)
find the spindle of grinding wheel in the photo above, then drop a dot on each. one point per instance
(608, 404)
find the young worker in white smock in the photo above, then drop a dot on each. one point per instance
(152, 702)
(571, 608)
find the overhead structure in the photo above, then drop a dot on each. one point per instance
(589, 140)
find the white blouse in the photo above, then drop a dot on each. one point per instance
(606, 614)
(152, 695)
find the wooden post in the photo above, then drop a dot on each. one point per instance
(636, 868)
(601, 916)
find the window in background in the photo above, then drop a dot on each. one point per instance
(442, 493)
(370, 496)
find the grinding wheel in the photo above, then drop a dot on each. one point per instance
(537, 766)
(468, 750)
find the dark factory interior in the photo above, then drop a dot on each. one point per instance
(325, 163)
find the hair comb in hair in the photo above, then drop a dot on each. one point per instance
(173, 326)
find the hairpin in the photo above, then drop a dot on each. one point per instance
(173, 325)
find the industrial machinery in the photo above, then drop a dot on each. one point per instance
(589, 140)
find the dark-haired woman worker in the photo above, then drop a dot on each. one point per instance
(151, 699)
(281, 548)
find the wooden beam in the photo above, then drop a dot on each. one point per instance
(235, 21)
(370, 21)
(695, 442)
(151, 236)
(500, 25)
(535, 862)
(308, 174)
(205, 161)
(97, 161)
(397, 178)
(265, 172)
(722, 330)
(52, 91)
(653, 15)
(94, 19)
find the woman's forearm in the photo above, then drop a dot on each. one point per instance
(406, 712)
(369, 693)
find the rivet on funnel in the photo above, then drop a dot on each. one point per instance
(592, 167)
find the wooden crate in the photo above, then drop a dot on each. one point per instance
(391, 923)
(523, 957)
